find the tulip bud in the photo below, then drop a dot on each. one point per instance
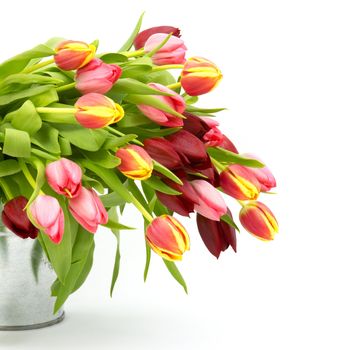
(97, 111)
(199, 76)
(135, 162)
(216, 235)
(259, 220)
(163, 152)
(195, 125)
(88, 210)
(213, 137)
(209, 201)
(228, 145)
(172, 52)
(15, 218)
(167, 237)
(142, 37)
(97, 76)
(64, 177)
(239, 182)
(263, 175)
(174, 101)
(72, 55)
(46, 214)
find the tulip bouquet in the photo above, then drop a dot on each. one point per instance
(83, 134)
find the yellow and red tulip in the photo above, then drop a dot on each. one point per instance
(259, 220)
(199, 76)
(167, 237)
(135, 162)
(71, 55)
(97, 111)
(239, 182)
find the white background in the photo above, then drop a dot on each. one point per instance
(286, 68)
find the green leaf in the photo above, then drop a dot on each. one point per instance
(147, 133)
(133, 86)
(127, 45)
(47, 139)
(19, 62)
(102, 158)
(112, 213)
(9, 167)
(204, 110)
(113, 142)
(16, 143)
(148, 261)
(226, 218)
(35, 258)
(86, 139)
(18, 95)
(112, 200)
(45, 98)
(161, 77)
(133, 117)
(26, 118)
(157, 184)
(227, 157)
(115, 225)
(93, 183)
(138, 67)
(166, 172)
(66, 149)
(174, 271)
(113, 58)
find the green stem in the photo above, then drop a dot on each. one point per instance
(54, 110)
(66, 87)
(167, 66)
(217, 164)
(119, 133)
(44, 155)
(174, 86)
(6, 189)
(136, 53)
(38, 66)
(26, 172)
(141, 208)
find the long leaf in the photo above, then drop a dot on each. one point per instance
(174, 271)
(127, 45)
(112, 214)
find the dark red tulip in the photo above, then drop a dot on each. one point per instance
(195, 125)
(144, 35)
(216, 235)
(163, 152)
(15, 218)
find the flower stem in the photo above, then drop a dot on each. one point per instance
(129, 54)
(66, 87)
(6, 189)
(119, 133)
(167, 66)
(27, 173)
(37, 66)
(54, 110)
(174, 86)
(141, 208)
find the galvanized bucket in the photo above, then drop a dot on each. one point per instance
(25, 280)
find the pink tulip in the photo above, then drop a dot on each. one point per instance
(210, 202)
(173, 52)
(64, 177)
(175, 101)
(88, 210)
(263, 175)
(97, 76)
(46, 214)
(213, 137)
(145, 34)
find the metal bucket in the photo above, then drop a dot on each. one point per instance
(26, 277)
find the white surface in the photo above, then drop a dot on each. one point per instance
(287, 74)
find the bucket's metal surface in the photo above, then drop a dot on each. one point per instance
(25, 302)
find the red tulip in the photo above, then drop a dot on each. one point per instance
(15, 218)
(199, 76)
(88, 210)
(195, 125)
(167, 237)
(135, 162)
(216, 235)
(72, 55)
(175, 101)
(239, 182)
(64, 177)
(97, 76)
(173, 52)
(97, 111)
(227, 144)
(163, 152)
(142, 37)
(213, 137)
(259, 220)
(46, 214)
(209, 201)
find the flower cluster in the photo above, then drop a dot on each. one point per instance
(85, 128)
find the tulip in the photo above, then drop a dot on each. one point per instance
(167, 237)
(213, 137)
(163, 152)
(227, 144)
(88, 210)
(97, 76)
(263, 175)
(15, 218)
(142, 37)
(209, 201)
(199, 76)
(135, 162)
(64, 177)
(72, 55)
(195, 125)
(259, 220)
(239, 182)
(46, 214)
(216, 235)
(97, 111)
(175, 101)
(172, 52)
